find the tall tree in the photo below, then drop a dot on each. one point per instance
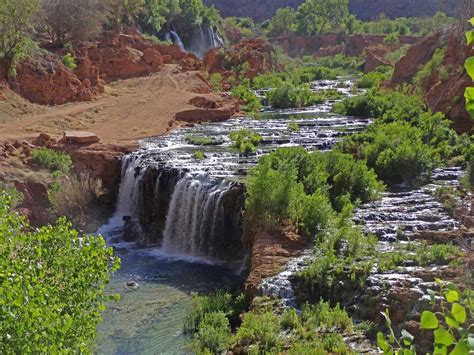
(319, 16)
(16, 25)
(283, 22)
(74, 19)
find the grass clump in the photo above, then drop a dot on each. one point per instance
(245, 140)
(199, 155)
(251, 101)
(425, 71)
(49, 159)
(69, 61)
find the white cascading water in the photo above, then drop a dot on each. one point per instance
(128, 195)
(195, 216)
(177, 39)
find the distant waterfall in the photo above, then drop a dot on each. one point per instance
(185, 213)
(177, 39)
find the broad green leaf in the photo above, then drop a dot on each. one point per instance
(440, 350)
(469, 66)
(408, 352)
(471, 21)
(469, 96)
(469, 37)
(460, 349)
(382, 343)
(459, 312)
(451, 320)
(407, 337)
(428, 320)
(452, 296)
(443, 337)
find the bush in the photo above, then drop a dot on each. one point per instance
(213, 334)
(290, 184)
(75, 197)
(199, 155)
(291, 96)
(252, 102)
(393, 37)
(49, 159)
(69, 61)
(53, 283)
(216, 81)
(245, 140)
(372, 80)
(419, 81)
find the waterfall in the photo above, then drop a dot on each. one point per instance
(196, 221)
(183, 213)
(177, 39)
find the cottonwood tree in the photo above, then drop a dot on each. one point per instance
(123, 12)
(16, 19)
(283, 22)
(319, 16)
(71, 19)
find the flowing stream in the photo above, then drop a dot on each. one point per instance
(178, 221)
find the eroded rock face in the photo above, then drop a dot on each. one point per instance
(324, 45)
(47, 81)
(441, 94)
(256, 52)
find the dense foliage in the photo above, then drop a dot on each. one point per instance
(16, 19)
(49, 159)
(245, 140)
(51, 285)
(288, 95)
(405, 142)
(332, 16)
(317, 328)
(303, 188)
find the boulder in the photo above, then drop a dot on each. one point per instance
(79, 137)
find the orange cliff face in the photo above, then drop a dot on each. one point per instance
(440, 94)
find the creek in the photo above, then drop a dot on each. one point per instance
(178, 221)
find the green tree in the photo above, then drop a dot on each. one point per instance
(283, 22)
(16, 23)
(51, 285)
(318, 16)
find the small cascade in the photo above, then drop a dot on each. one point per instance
(177, 40)
(197, 224)
(186, 214)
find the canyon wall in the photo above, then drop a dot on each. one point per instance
(261, 10)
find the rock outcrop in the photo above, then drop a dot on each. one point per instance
(46, 80)
(440, 94)
(324, 45)
(256, 52)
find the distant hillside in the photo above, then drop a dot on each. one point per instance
(261, 10)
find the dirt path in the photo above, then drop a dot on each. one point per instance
(129, 110)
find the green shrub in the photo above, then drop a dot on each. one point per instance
(51, 285)
(252, 102)
(220, 301)
(393, 37)
(213, 333)
(289, 96)
(199, 155)
(290, 183)
(261, 331)
(216, 81)
(69, 61)
(245, 140)
(372, 80)
(293, 126)
(49, 159)
(428, 69)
